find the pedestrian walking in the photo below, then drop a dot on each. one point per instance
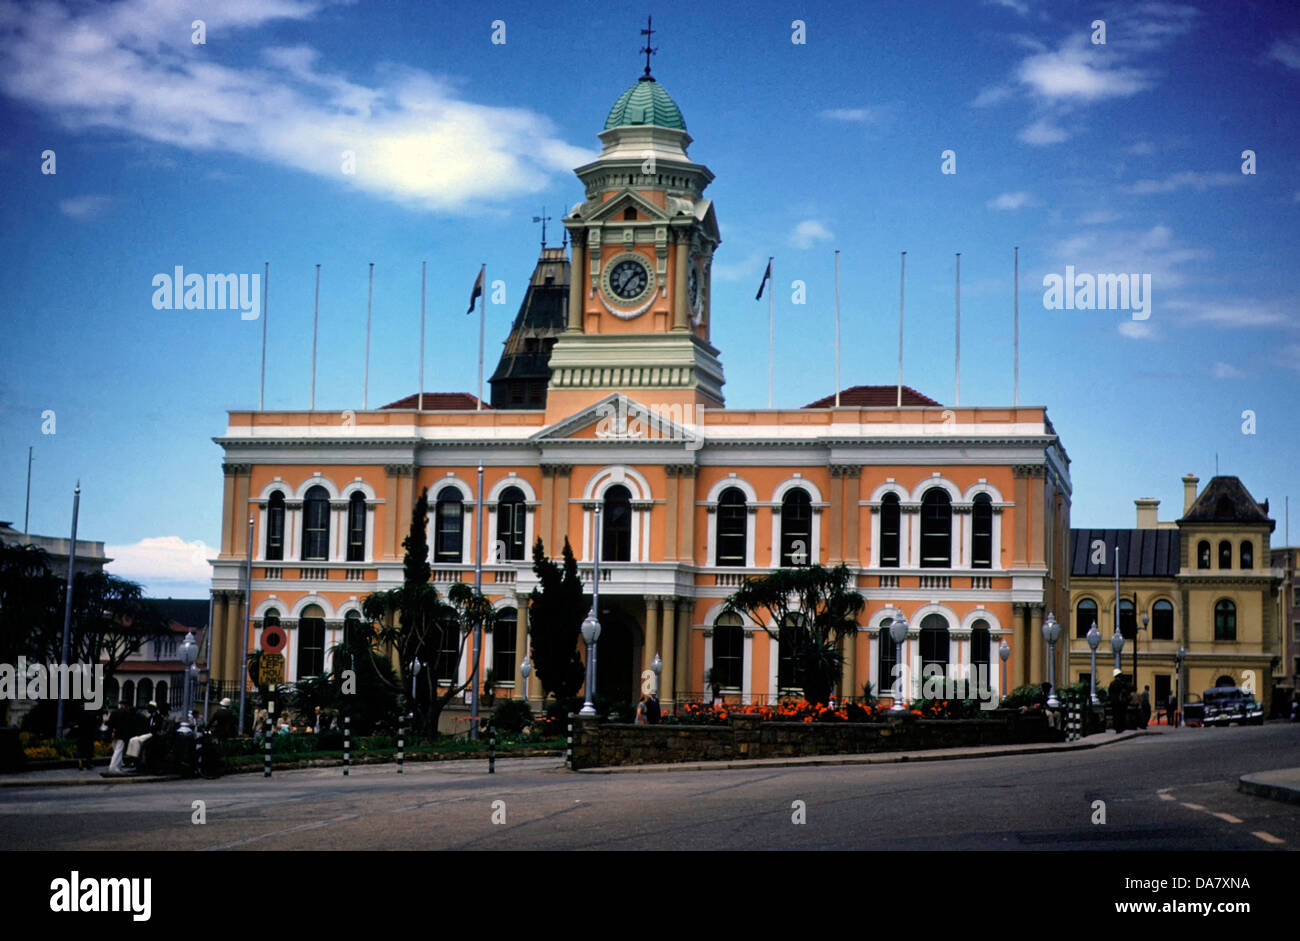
(1118, 695)
(652, 711)
(1146, 706)
(640, 712)
(119, 722)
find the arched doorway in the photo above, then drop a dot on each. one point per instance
(617, 656)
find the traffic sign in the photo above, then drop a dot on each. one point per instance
(273, 639)
(270, 670)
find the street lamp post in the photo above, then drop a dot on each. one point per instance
(189, 654)
(898, 632)
(1117, 647)
(1004, 654)
(1051, 634)
(1182, 665)
(416, 667)
(1146, 619)
(1094, 638)
(526, 670)
(591, 625)
(657, 667)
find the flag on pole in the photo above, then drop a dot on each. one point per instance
(767, 276)
(478, 290)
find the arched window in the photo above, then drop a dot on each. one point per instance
(1225, 554)
(128, 694)
(111, 691)
(357, 527)
(728, 651)
(934, 644)
(889, 529)
(275, 527)
(787, 666)
(1225, 621)
(981, 546)
(1127, 619)
(316, 525)
(1225, 680)
(796, 528)
(311, 642)
(448, 526)
(1203, 554)
(511, 519)
(1162, 621)
(980, 647)
(733, 519)
(886, 658)
(1247, 554)
(1084, 617)
(936, 529)
(503, 645)
(144, 692)
(616, 525)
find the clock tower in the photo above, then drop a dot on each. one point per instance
(643, 243)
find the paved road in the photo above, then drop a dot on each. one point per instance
(1173, 791)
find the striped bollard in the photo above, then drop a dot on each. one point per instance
(568, 748)
(347, 744)
(266, 768)
(401, 740)
(492, 748)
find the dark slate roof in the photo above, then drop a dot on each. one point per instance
(190, 612)
(1143, 553)
(439, 402)
(543, 316)
(874, 397)
(1226, 500)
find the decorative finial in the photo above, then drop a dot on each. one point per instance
(543, 219)
(648, 33)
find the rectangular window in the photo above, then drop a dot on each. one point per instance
(503, 646)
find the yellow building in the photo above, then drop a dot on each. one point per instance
(1202, 584)
(611, 395)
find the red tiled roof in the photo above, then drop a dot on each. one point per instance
(874, 397)
(439, 402)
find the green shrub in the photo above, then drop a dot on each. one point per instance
(1023, 696)
(512, 716)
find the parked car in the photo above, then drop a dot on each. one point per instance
(1227, 704)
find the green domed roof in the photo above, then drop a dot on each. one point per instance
(645, 103)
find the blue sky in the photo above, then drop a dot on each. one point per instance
(1123, 157)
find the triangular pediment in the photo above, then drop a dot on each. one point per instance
(618, 417)
(612, 209)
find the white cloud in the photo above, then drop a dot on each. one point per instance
(1141, 148)
(992, 95)
(84, 207)
(1286, 51)
(1009, 202)
(1154, 251)
(1225, 371)
(130, 67)
(1099, 217)
(162, 561)
(1136, 329)
(1080, 72)
(1192, 179)
(1245, 312)
(808, 233)
(856, 115)
(751, 266)
(1019, 6)
(1042, 133)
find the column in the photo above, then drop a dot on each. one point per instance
(242, 510)
(667, 680)
(1020, 539)
(835, 549)
(547, 531)
(217, 658)
(849, 685)
(686, 497)
(682, 644)
(577, 275)
(672, 511)
(1038, 671)
(563, 479)
(651, 631)
(852, 512)
(235, 617)
(229, 518)
(680, 274)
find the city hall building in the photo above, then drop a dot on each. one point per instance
(610, 395)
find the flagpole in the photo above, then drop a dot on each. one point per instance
(482, 320)
(902, 277)
(365, 380)
(315, 320)
(266, 285)
(1016, 397)
(67, 599)
(419, 402)
(771, 330)
(958, 374)
(837, 328)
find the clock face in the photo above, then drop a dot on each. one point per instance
(628, 279)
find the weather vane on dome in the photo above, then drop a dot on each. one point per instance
(648, 33)
(543, 219)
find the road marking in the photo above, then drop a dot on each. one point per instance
(1192, 806)
(1228, 817)
(297, 829)
(1266, 837)
(1164, 794)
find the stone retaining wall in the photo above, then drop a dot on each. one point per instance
(598, 744)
